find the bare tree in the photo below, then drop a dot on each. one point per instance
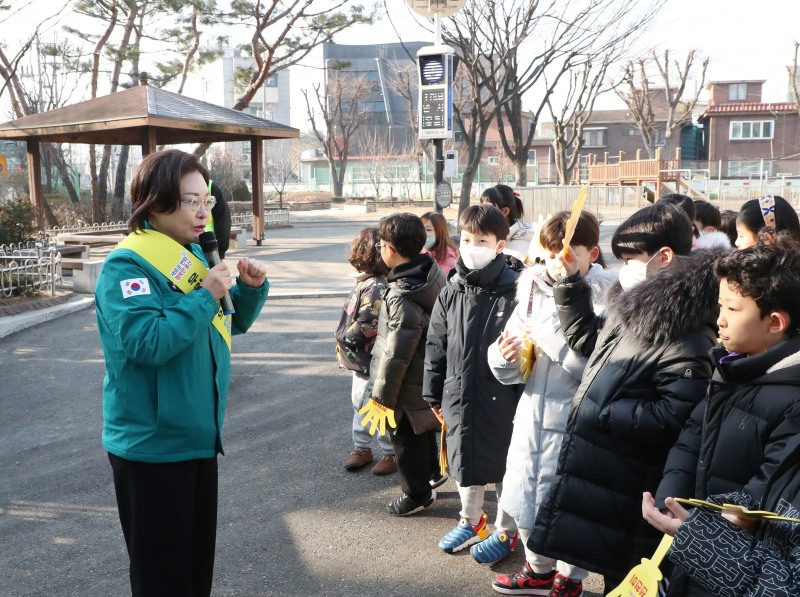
(49, 94)
(584, 85)
(667, 103)
(335, 117)
(373, 150)
(282, 164)
(494, 41)
(284, 32)
(224, 168)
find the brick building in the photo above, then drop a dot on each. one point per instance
(750, 137)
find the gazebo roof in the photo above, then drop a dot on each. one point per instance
(143, 115)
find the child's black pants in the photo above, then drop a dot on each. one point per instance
(417, 459)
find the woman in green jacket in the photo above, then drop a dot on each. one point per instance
(166, 344)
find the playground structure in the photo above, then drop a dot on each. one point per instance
(666, 175)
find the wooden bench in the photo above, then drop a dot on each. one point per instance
(236, 231)
(91, 239)
(71, 264)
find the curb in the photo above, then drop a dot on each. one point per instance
(16, 323)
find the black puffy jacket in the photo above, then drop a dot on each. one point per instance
(736, 437)
(398, 357)
(648, 368)
(730, 562)
(469, 315)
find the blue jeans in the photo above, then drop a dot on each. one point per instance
(362, 440)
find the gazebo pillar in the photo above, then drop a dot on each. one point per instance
(257, 170)
(35, 182)
(149, 144)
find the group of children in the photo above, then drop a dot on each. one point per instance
(589, 397)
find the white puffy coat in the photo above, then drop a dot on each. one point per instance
(519, 240)
(543, 409)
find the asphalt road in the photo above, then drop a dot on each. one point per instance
(291, 520)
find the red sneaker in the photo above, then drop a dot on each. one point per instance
(525, 582)
(565, 587)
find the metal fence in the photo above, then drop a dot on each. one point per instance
(273, 218)
(33, 266)
(609, 204)
(86, 227)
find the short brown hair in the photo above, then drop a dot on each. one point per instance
(364, 256)
(156, 184)
(587, 231)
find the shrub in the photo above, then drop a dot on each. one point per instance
(16, 221)
(241, 192)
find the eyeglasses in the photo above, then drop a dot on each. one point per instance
(379, 246)
(195, 201)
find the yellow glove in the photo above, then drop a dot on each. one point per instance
(376, 415)
(527, 357)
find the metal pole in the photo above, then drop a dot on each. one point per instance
(438, 170)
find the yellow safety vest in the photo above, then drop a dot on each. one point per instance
(179, 265)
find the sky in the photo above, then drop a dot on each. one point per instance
(743, 39)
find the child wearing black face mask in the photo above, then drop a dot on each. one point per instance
(470, 313)
(648, 367)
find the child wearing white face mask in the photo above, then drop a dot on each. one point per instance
(648, 366)
(470, 313)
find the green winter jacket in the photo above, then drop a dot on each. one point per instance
(167, 367)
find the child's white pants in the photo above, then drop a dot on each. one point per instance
(542, 565)
(472, 505)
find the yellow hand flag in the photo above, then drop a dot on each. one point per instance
(572, 222)
(644, 578)
(527, 358)
(376, 415)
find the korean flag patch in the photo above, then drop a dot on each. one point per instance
(135, 287)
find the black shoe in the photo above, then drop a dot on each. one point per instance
(406, 506)
(437, 480)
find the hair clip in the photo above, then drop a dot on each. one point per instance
(767, 205)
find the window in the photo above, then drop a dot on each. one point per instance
(531, 155)
(629, 133)
(749, 168)
(493, 160)
(594, 137)
(737, 92)
(751, 129)
(272, 81)
(659, 136)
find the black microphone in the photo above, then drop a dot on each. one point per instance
(208, 242)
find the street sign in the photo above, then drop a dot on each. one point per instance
(444, 194)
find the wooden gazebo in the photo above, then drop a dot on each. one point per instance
(149, 117)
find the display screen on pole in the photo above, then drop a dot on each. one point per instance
(432, 109)
(436, 94)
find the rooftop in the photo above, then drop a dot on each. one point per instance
(752, 108)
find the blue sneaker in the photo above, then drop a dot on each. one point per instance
(495, 548)
(464, 534)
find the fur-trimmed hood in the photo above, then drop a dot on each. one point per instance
(712, 240)
(599, 279)
(676, 300)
